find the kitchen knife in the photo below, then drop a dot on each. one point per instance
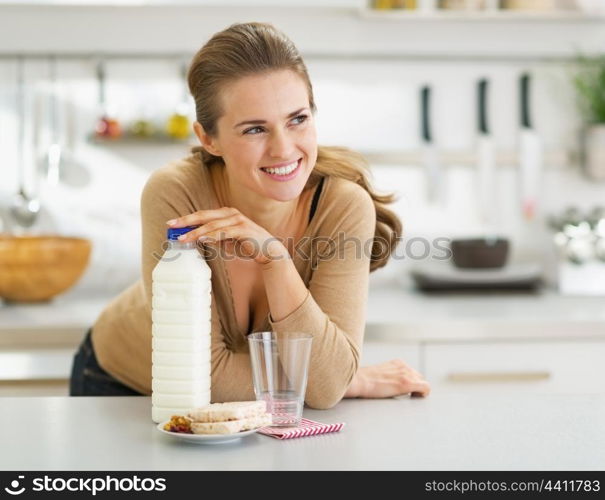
(486, 160)
(530, 153)
(434, 175)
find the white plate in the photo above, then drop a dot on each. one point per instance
(204, 438)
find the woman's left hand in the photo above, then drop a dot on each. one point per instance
(229, 225)
(386, 380)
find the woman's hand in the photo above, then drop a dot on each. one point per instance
(241, 235)
(392, 378)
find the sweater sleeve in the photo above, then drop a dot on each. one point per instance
(231, 369)
(334, 310)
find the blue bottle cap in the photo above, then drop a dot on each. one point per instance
(174, 233)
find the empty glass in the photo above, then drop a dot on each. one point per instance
(280, 362)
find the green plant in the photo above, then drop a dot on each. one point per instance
(589, 81)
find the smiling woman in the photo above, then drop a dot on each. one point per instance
(290, 230)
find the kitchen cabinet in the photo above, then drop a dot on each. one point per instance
(536, 367)
(35, 372)
(544, 343)
(540, 367)
(34, 388)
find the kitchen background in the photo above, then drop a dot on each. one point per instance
(368, 62)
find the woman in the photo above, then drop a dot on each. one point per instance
(302, 221)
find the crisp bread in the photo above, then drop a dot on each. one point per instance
(231, 426)
(222, 412)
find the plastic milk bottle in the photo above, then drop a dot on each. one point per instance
(181, 330)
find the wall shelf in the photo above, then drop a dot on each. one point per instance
(495, 15)
(552, 159)
(131, 140)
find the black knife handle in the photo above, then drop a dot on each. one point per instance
(482, 87)
(425, 107)
(524, 83)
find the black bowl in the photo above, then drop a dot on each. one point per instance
(479, 253)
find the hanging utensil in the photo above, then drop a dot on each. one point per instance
(51, 164)
(24, 208)
(430, 156)
(178, 126)
(73, 171)
(107, 127)
(530, 153)
(486, 160)
(59, 164)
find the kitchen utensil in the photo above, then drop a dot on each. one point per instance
(51, 163)
(107, 127)
(178, 126)
(479, 253)
(434, 174)
(73, 172)
(486, 161)
(530, 153)
(36, 268)
(24, 208)
(442, 277)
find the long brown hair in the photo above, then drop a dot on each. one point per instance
(252, 48)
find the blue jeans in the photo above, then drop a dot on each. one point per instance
(89, 379)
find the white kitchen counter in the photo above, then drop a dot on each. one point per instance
(441, 432)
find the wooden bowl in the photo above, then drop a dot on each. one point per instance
(36, 268)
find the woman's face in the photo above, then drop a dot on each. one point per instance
(267, 135)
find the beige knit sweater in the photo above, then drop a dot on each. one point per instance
(331, 258)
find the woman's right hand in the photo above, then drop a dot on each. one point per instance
(389, 379)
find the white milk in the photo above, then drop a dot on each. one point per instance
(181, 330)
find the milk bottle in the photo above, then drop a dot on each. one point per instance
(181, 330)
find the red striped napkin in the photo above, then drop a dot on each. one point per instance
(306, 428)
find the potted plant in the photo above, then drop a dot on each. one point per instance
(589, 82)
